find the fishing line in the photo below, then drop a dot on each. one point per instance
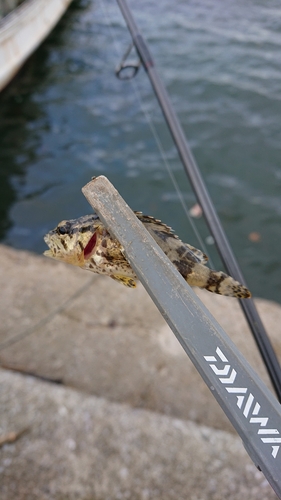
(155, 136)
(171, 174)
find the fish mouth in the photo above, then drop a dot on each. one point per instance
(48, 253)
(60, 252)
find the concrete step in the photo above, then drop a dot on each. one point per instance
(95, 335)
(75, 446)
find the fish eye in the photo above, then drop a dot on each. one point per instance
(62, 230)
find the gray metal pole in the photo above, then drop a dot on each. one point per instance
(247, 402)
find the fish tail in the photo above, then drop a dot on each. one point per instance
(217, 282)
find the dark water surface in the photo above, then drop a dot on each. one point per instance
(66, 118)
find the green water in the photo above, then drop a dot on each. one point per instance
(66, 118)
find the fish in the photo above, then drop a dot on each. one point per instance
(85, 242)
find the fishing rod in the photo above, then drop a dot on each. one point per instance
(249, 309)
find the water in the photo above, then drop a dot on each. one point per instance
(66, 118)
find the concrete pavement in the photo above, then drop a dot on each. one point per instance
(149, 427)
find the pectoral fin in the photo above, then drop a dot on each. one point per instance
(126, 280)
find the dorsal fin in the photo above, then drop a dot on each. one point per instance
(158, 229)
(147, 219)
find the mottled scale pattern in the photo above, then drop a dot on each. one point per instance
(85, 242)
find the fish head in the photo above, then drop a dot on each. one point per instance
(73, 241)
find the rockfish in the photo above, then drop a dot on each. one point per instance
(85, 242)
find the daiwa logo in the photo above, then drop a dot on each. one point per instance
(245, 400)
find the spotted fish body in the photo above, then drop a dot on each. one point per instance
(85, 242)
